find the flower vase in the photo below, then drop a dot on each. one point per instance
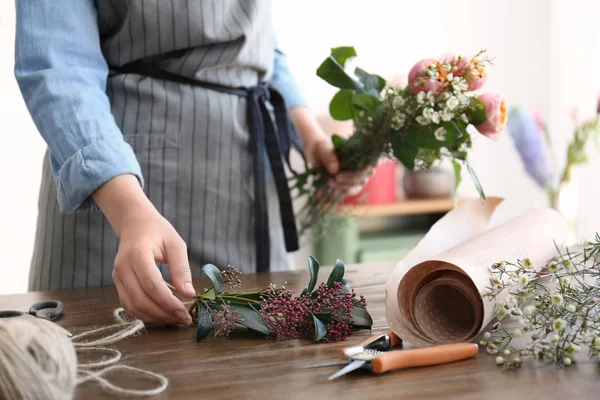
(565, 201)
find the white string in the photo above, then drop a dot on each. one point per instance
(38, 360)
(98, 377)
(116, 356)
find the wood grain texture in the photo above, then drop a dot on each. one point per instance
(242, 367)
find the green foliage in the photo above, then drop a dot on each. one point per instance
(333, 71)
(337, 273)
(214, 275)
(476, 112)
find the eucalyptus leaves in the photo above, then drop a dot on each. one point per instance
(420, 124)
(327, 312)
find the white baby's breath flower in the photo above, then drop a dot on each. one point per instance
(557, 299)
(559, 324)
(463, 147)
(555, 338)
(452, 103)
(440, 134)
(500, 313)
(446, 114)
(464, 118)
(421, 120)
(506, 352)
(398, 102)
(553, 267)
(499, 360)
(523, 281)
(527, 264)
(428, 113)
(448, 67)
(459, 85)
(564, 281)
(491, 348)
(430, 98)
(444, 96)
(597, 341)
(435, 117)
(567, 361)
(421, 97)
(571, 308)
(528, 310)
(450, 77)
(432, 66)
(487, 335)
(573, 348)
(463, 99)
(517, 333)
(398, 121)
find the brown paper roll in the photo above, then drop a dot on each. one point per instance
(434, 295)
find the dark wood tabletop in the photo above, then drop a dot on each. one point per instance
(254, 367)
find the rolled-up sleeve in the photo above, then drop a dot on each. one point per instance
(283, 80)
(62, 75)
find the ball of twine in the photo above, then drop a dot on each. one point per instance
(38, 360)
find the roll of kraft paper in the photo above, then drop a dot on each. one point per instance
(434, 295)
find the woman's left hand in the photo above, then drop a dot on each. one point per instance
(322, 152)
(319, 151)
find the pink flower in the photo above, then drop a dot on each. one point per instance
(477, 76)
(575, 114)
(419, 80)
(495, 110)
(448, 58)
(539, 120)
(463, 64)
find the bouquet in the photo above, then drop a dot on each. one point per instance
(420, 124)
(557, 310)
(325, 313)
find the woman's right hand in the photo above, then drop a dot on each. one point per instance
(145, 237)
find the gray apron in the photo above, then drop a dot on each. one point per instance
(172, 65)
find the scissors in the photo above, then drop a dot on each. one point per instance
(376, 354)
(48, 309)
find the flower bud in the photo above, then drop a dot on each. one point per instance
(495, 110)
(499, 360)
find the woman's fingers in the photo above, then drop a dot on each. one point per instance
(128, 305)
(176, 254)
(150, 281)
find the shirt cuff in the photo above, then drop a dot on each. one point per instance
(91, 167)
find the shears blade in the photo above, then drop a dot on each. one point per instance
(354, 365)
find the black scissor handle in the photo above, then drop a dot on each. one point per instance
(53, 309)
(10, 314)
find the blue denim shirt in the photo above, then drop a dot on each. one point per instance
(62, 75)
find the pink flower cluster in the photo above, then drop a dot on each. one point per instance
(224, 320)
(438, 76)
(289, 317)
(284, 314)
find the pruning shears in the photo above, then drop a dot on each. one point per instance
(376, 354)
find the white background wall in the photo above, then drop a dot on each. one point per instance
(547, 53)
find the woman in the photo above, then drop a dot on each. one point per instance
(158, 122)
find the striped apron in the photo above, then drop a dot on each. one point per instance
(185, 89)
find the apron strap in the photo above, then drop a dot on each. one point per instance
(274, 138)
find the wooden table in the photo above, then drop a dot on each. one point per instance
(258, 368)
